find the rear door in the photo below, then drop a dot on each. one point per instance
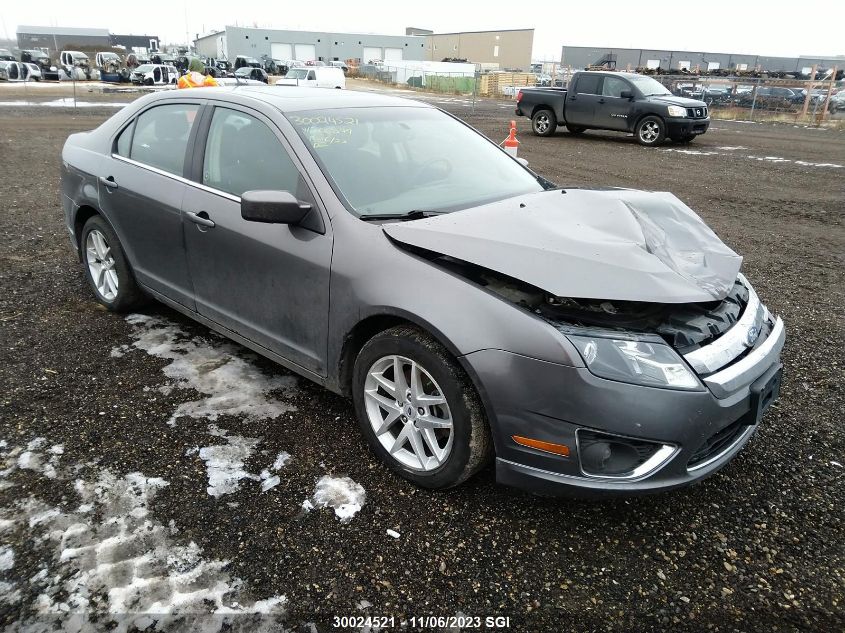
(267, 282)
(140, 191)
(611, 109)
(582, 99)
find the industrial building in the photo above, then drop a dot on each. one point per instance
(309, 45)
(506, 49)
(58, 38)
(579, 57)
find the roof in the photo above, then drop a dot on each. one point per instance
(485, 31)
(296, 99)
(61, 30)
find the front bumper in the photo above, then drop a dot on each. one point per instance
(682, 126)
(700, 430)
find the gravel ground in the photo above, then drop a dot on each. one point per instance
(758, 547)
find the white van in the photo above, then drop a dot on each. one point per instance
(314, 77)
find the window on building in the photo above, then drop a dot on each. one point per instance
(652, 64)
(496, 51)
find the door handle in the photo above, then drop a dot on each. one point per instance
(108, 182)
(200, 218)
(601, 100)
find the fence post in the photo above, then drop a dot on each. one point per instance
(809, 92)
(826, 109)
(754, 99)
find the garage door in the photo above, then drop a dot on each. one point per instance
(392, 53)
(306, 52)
(371, 53)
(281, 51)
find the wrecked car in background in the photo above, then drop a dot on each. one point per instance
(19, 71)
(593, 341)
(154, 75)
(75, 64)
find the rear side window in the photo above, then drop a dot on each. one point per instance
(161, 136)
(243, 154)
(588, 85)
(123, 141)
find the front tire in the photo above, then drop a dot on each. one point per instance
(651, 131)
(106, 267)
(544, 122)
(418, 409)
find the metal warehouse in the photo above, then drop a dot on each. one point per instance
(509, 49)
(622, 58)
(59, 38)
(309, 45)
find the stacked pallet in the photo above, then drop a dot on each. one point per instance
(499, 83)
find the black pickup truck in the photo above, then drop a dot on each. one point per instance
(604, 100)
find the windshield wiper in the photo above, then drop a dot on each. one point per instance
(416, 214)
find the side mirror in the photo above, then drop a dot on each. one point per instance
(522, 161)
(273, 207)
(626, 94)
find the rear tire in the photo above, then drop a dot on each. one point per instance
(106, 267)
(650, 131)
(574, 129)
(544, 122)
(453, 419)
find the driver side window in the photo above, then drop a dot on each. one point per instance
(613, 87)
(243, 154)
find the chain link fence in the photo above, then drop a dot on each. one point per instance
(761, 99)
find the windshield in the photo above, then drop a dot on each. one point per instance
(392, 160)
(144, 69)
(647, 85)
(79, 56)
(244, 71)
(297, 73)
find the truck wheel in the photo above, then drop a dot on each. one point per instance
(544, 122)
(651, 131)
(574, 129)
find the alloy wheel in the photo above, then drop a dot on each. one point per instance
(541, 123)
(409, 413)
(649, 132)
(101, 265)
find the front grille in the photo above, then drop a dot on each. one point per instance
(697, 113)
(718, 443)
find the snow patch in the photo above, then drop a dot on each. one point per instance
(233, 385)
(118, 565)
(7, 558)
(225, 463)
(393, 533)
(339, 493)
(64, 102)
(33, 458)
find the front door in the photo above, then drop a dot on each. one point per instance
(267, 282)
(612, 110)
(582, 99)
(142, 199)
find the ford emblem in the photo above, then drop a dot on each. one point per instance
(751, 335)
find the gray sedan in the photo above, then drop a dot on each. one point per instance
(588, 340)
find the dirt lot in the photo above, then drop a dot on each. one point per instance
(759, 547)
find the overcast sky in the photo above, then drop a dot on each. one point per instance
(776, 27)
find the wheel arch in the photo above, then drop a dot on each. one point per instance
(374, 324)
(641, 115)
(371, 325)
(83, 214)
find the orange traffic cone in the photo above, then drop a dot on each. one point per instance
(511, 144)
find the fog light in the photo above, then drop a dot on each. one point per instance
(605, 455)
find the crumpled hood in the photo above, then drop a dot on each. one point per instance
(621, 245)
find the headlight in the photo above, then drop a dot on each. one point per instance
(638, 362)
(677, 111)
